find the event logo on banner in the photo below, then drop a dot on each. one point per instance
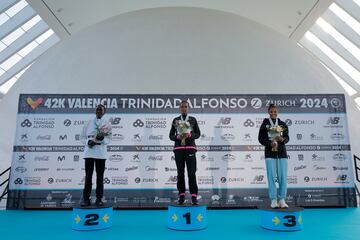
(48, 167)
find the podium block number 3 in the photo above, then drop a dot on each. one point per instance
(291, 221)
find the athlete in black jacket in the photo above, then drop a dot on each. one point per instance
(275, 156)
(185, 154)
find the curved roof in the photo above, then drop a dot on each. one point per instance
(329, 30)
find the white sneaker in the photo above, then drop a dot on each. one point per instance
(274, 204)
(283, 204)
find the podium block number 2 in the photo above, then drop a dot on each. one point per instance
(91, 219)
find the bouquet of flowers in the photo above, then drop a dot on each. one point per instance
(183, 128)
(103, 130)
(275, 133)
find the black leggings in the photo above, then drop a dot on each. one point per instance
(182, 157)
(89, 169)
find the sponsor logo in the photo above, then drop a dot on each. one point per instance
(335, 102)
(159, 122)
(248, 123)
(315, 137)
(115, 122)
(63, 137)
(252, 199)
(342, 178)
(299, 167)
(32, 181)
(227, 137)
(24, 137)
(317, 158)
(34, 103)
(116, 158)
(18, 181)
(235, 168)
(248, 158)
(148, 168)
(247, 137)
(21, 158)
(212, 168)
(204, 137)
(145, 180)
(288, 122)
(41, 169)
(44, 158)
(257, 168)
(121, 180)
(26, 123)
(317, 167)
(117, 137)
(205, 180)
(291, 179)
(21, 169)
(206, 158)
(76, 158)
(43, 137)
(172, 180)
(63, 180)
(315, 179)
(155, 158)
(132, 168)
(65, 169)
(258, 179)
(228, 157)
(304, 122)
(112, 169)
(339, 157)
(138, 123)
(161, 200)
(256, 103)
(168, 169)
(77, 137)
(340, 168)
(235, 179)
(337, 136)
(135, 158)
(224, 122)
(106, 180)
(156, 137)
(67, 122)
(299, 136)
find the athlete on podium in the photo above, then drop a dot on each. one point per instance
(96, 134)
(274, 134)
(184, 130)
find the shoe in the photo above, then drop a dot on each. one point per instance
(274, 204)
(194, 200)
(85, 203)
(283, 204)
(99, 202)
(181, 199)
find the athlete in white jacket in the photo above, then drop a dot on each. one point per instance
(96, 134)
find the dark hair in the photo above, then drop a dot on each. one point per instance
(184, 102)
(102, 106)
(271, 106)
